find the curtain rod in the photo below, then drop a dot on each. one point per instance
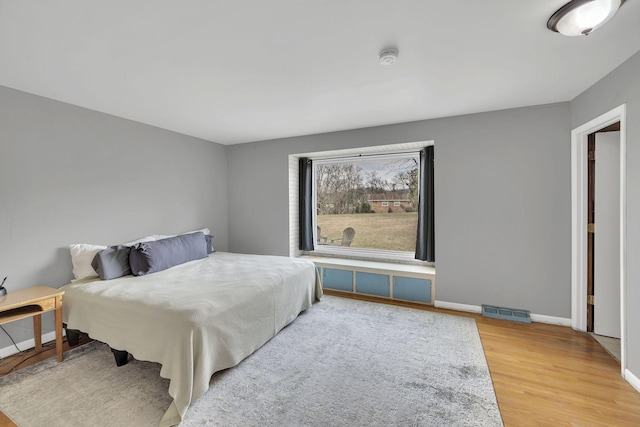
(359, 156)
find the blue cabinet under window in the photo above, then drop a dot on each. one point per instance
(339, 280)
(372, 284)
(412, 289)
(407, 286)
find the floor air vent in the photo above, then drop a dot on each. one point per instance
(506, 313)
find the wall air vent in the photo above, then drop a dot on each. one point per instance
(506, 313)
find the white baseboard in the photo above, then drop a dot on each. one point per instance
(540, 318)
(552, 320)
(26, 345)
(458, 307)
(632, 379)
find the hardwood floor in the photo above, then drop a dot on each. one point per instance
(543, 375)
(29, 357)
(5, 421)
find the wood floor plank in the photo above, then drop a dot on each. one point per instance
(5, 421)
(543, 375)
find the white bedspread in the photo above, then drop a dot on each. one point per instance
(196, 318)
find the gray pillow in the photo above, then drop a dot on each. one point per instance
(210, 248)
(150, 257)
(112, 262)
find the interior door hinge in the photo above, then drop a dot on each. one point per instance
(592, 155)
(591, 300)
(591, 228)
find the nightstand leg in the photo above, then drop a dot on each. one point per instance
(58, 319)
(37, 331)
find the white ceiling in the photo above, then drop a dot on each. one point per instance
(247, 70)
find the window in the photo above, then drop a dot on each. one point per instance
(369, 203)
(354, 198)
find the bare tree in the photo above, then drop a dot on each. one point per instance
(343, 187)
(340, 188)
(407, 178)
(375, 184)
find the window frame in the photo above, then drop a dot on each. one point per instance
(361, 148)
(358, 253)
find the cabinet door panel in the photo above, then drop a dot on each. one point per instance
(412, 289)
(372, 284)
(340, 280)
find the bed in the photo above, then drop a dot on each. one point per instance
(195, 318)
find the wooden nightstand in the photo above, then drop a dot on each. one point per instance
(32, 302)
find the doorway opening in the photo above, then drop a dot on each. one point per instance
(603, 238)
(580, 256)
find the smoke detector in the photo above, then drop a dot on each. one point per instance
(388, 56)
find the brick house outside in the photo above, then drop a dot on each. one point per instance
(389, 202)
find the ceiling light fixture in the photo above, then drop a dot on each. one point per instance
(388, 56)
(581, 17)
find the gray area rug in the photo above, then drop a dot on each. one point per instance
(341, 363)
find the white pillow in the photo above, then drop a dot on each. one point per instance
(81, 257)
(141, 240)
(205, 231)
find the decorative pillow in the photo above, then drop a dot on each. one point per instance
(209, 239)
(81, 257)
(112, 262)
(151, 257)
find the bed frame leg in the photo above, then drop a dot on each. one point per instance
(122, 357)
(73, 336)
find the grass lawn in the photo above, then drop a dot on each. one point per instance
(392, 231)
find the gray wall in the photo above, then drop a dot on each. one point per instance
(622, 86)
(503, 208)
(71, 175)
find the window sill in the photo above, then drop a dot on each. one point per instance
(389, 267)
(390, 257)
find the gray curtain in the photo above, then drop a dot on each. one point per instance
(306, 204)
(425, 240)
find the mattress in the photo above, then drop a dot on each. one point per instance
(196, 318)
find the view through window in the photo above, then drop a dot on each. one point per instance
(367, 202)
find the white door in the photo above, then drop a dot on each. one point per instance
(606, 266)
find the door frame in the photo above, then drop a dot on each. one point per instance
(579, 182)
